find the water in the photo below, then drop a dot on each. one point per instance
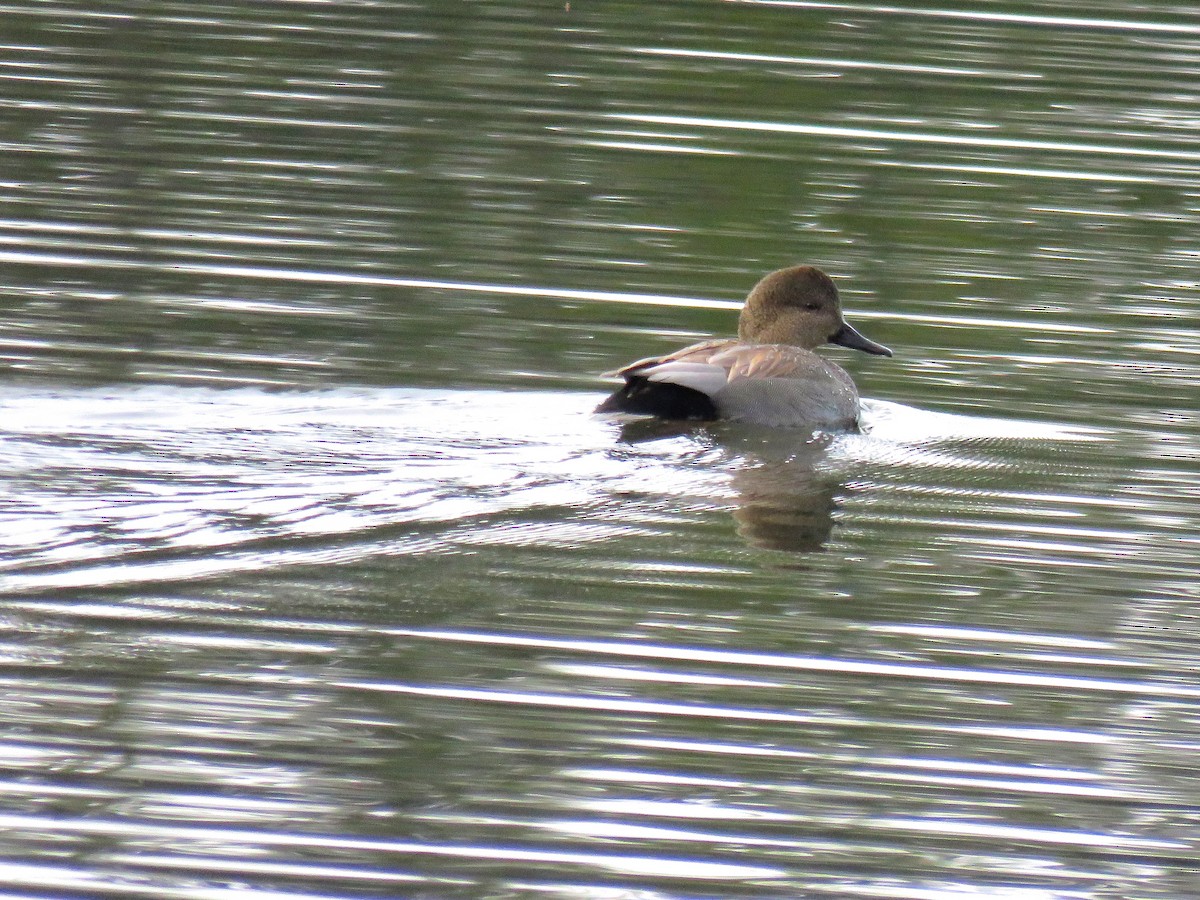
(320, 578)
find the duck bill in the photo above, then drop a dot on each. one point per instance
(848, 336)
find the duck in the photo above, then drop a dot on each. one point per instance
(769, 375)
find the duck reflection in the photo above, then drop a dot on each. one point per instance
(785, 493)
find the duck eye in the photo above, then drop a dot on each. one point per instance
(812, 307)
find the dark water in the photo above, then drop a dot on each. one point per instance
(320, 579)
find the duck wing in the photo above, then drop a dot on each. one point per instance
(714, 365)
(678, 385)
(692, 353)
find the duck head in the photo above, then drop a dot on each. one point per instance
(800, 306)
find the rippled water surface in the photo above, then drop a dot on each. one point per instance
(320, 579)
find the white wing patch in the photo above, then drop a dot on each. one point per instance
(703, 377)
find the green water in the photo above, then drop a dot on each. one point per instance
(320, 579)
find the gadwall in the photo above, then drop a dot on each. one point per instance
(769, 375)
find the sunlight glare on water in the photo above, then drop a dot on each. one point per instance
(322, 579)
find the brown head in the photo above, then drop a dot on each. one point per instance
(799, 306)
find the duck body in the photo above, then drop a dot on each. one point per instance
(763, 384)
(769, 375)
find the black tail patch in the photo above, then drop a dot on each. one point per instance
(661, 399)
